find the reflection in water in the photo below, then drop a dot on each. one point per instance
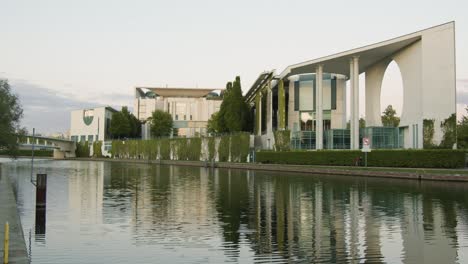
(102, 212)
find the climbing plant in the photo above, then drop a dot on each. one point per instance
(194, 146)
(165, 149)
(428, 133)
(281, 106)
(211, 148)
(257, 114)
(223, 149)
(282, 140)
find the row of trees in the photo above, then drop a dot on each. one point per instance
(234, 114)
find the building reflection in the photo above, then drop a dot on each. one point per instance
(300, 218)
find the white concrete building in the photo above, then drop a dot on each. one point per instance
(91, 124)
(190, 107)
(427, 63)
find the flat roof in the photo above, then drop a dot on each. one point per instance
(179, 92)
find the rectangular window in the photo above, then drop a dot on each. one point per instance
(296, 96)
(307, 98)
(326, 95)
(333, 94)
(74, 138)
(176, 117)
(190, 117)
(97, 137)
(83, 139)
(90, 138)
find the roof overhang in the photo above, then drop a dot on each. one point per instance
(180, 92)
(368, 56)
(261, 81)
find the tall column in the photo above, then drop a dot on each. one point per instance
(269, 110)
(354, 122)
(319, 108)
(259, 113)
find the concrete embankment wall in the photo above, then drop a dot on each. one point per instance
(417, 174)
(9, 213)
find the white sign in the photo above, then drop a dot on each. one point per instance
(366, 145)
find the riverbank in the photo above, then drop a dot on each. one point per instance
(402, 173)
(9, 213)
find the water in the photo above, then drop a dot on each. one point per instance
(102, 212)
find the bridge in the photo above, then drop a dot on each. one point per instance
(63, 148)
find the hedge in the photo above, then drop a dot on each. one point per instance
(432, 158)
(27, 153)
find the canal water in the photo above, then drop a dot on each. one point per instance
(104, 212)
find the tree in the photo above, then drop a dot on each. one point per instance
(362, 123)
(212, 126)
(449, 128)
(462, 132)
(134, 123)
(11, 113)
(389, 117)
(161, 123)
(125, 125)
(234, 114)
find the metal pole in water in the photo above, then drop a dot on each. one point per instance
(41, 197)
(32, 156)
(6, 243)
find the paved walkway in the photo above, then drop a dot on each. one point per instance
(9, 213)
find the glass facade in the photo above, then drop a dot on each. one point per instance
(382, 137)
(337, 139)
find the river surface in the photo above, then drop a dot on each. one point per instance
(104, 212)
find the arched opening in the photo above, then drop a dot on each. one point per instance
(392, 89)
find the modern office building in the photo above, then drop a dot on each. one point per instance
(190, 107)
(309, 98)
(91, 124)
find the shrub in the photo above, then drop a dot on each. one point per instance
(82, 150)
(432, 158)
(27, 153)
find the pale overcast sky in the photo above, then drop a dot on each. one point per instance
(95, 52)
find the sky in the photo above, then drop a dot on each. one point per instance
(61, 55)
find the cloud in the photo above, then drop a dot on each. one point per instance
(48, 110)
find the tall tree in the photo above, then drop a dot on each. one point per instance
(120, 127)
(161, 123)
(11, 113)
(234, 114)
(389, 117)
(125, 125)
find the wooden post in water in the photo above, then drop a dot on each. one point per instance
(41, 197)
(6, 243)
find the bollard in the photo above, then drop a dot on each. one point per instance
(6, 243)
